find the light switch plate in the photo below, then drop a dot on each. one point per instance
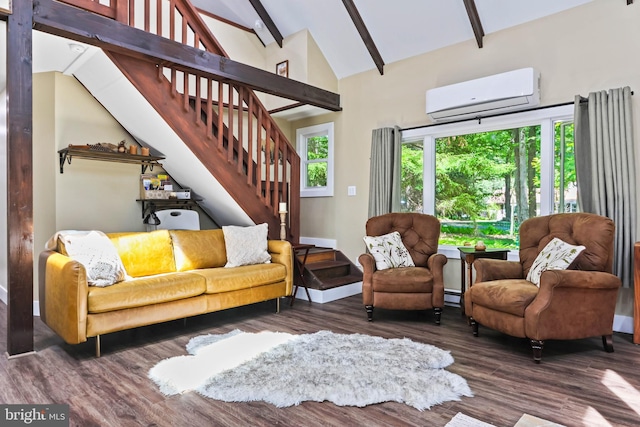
(351, 190)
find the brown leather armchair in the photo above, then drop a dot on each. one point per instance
(407, 288)
(575, 303)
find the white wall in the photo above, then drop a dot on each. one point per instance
(573, 55)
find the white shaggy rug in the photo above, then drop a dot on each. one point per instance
(285, 370)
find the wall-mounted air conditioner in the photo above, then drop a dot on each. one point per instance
(500, 93)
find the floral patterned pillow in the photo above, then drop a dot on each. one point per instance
(388, 251)
(557, 255)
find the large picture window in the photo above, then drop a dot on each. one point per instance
(483, 179)
(315, 148)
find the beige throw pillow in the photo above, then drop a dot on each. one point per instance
(389, 251)
(557, 255)
(246, 245)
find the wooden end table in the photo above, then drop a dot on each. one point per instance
(468, 254)
(298, 270)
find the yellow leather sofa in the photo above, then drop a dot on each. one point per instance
(173, 274)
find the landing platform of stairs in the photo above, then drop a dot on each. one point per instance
(327, 295)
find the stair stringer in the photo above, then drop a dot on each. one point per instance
(104, 80)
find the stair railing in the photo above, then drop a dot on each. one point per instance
(237, 123)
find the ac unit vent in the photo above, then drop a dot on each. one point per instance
(500, 93)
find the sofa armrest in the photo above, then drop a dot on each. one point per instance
(496, 269)
(282, 253)
(63, 291)
(368, 264)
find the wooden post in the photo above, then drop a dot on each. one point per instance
(20, 179)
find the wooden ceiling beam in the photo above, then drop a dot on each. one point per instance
(266, 19)
(364, 33)
(76, 24)
(476, 24)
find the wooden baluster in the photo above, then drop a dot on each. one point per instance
(159, 17)
(174, 84)
(260, 149)
(250, 161)
(172, 20)
(209, 108)
(230, 124)
(147, 17)
(267, 179)
(132, 12)
(220, 133)
(198, 101)
(185, 91)
(240, 129)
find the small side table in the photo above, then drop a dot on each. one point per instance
(468, 254)
(298, 269)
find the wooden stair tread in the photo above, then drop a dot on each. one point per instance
(321, 265)
(335, 282)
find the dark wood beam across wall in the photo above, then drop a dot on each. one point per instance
(75, 24)
(266, 19)
(476, 24)
(364, 33)
(19, 179)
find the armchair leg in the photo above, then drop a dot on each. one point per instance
(536, 346)
(607, 342)
(369, 309)
(474, 326)
(437, 311)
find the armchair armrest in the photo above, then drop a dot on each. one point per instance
(496, 269)
(368, 264)
(282, 253)
(63, 291)
(572, 304)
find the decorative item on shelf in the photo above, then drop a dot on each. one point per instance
(145, 151)
(480, 246)
(133, 149)
(121, 147)
(283, 220)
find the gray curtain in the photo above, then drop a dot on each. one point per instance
(384, 177)
(605, 168)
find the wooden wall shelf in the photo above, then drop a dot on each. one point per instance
(152, 205)
(66, 154)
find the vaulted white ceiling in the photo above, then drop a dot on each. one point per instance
(400, 28)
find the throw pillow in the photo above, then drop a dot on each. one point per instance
(96, 252)
(557, 255)
(246, 245)
(388, 251)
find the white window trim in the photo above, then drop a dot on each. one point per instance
(543, 116)
(302, 135)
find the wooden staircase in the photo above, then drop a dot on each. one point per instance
(327, 268)
(223, 122)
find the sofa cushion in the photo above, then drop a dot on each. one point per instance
(243, 277)
(511, 296)
(145, 254)
(400, 280)
(144, 291)
(193, 249)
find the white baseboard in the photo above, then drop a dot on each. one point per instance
(623, 324)
(329, 295)
(4, 296)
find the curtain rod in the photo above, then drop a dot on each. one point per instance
(495, 115)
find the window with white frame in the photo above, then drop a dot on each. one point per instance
(315, 148)
(482, 179)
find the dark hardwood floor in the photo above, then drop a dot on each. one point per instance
(577, 384)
